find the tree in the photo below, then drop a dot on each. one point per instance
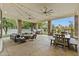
(53, 28)
(7, 24)
(27, 25)
(71, 27)
(40, 24)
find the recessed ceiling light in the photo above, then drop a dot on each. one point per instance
(5, 12)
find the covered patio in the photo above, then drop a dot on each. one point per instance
(35, 13)
(39, 47)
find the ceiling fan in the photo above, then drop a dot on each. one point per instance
(46, 11)
(30, 17)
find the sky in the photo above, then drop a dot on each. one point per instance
(63, 21)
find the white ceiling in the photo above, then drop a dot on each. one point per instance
(23, 10)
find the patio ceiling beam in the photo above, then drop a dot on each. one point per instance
(19, 11)
(33, 12)
(24, 15)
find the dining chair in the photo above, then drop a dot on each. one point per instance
(60, 40)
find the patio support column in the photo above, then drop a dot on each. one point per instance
(49, 27)
(0, 23)
(36, 25)
(1, 41)
(33, 26)
(19, 26)
(76, 19)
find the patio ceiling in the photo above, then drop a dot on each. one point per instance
(34, 12)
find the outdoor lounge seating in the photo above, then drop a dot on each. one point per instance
(22, 37)
(13, 37)
(17, 38)
(29, 35)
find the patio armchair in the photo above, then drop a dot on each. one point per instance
(34, 36)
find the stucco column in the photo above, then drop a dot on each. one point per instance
(19, 26)
(0, 23)
(76, 19)
(49, 27)
(32, 26)
(36, 25)
(1, 41)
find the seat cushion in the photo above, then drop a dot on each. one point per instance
(73, 41)
(51, 37)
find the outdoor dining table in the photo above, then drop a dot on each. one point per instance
(53, 38)
(68, 40)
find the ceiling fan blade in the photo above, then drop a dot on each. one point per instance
(50, 13)
(45, 9)
(50, 10)
(41, 10)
